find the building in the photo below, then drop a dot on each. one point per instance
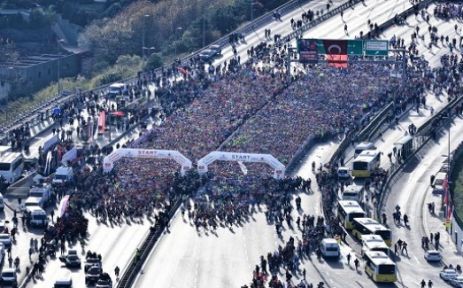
(36, 72)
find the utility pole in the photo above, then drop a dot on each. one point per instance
(143, 36)
(252, 10)
(59, 42)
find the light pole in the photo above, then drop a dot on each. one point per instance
(59, 42)
(175, 45)
(146, 16)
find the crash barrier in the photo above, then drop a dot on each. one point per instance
(456, 221)
(131, 271)
(31, 115)
(424, 133)
(373, 126)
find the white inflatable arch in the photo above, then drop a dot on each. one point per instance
(108, 161)
(278, 167)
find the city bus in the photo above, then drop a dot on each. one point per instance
(374, 242)
(363, 146)
(11, 165)
(379, 267)
(367, 226)
(366, 163)
(347, 211)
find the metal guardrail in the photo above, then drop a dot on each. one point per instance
(423, 135)
(136, 262)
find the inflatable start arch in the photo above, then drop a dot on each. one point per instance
(108, 161)
(278, 167)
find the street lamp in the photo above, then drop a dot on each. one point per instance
(175, 45)
(59, 43)
(146, 16)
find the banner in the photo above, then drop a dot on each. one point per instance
(307, 49)
(336, 53)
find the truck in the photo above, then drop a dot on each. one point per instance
(63, 174)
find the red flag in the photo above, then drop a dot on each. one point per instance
(337, 61)
(336, 53)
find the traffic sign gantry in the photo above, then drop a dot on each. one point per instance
(355, 47)
(376, 47)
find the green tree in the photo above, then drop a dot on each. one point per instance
(154, 61)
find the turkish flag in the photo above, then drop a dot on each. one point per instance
(336, 53)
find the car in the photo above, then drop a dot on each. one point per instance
(448, 274)
(457, 282)
(92, 275)
(206, 55)
(71, 261)
(5, 239)
(8, 277)
(217, 49)
(104, 281)
(91, 262)
(63, 282)
(432, 256)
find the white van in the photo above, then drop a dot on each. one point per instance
(43, 193)
(116, 89)
(330, 248)
(63, 174)
(63, 282)
(38, 216)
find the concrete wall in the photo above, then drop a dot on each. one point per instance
(42, 72)
(4, 89)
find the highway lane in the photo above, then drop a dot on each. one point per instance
(128, 237)
(224, 259)
(171, 257)
(411, 191)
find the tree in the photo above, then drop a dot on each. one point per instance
(8, 52)
(154, 61)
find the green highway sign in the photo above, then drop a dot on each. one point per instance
(355, 47)
(376, 47)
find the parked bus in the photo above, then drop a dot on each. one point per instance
(367, 226)
(363, 146)
(366, 163)
(352, 192)
(11, 165)
(374, 242)
(347, 211)
(379, 267)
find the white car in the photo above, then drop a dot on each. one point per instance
(432, 256)
(448, 274)
(5, 239)
(457, 282)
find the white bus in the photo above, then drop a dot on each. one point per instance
(348, 211)
(363, 146)
(374, 242)
(11, 165)
(379, 267)
(366, 163)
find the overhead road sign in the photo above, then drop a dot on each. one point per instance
(376, 47)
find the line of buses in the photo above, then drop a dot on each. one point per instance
(375, 238)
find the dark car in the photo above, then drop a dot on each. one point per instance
(104, 281)
(207, 55)
(92, 275)
(71, 261)
(90, 262)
